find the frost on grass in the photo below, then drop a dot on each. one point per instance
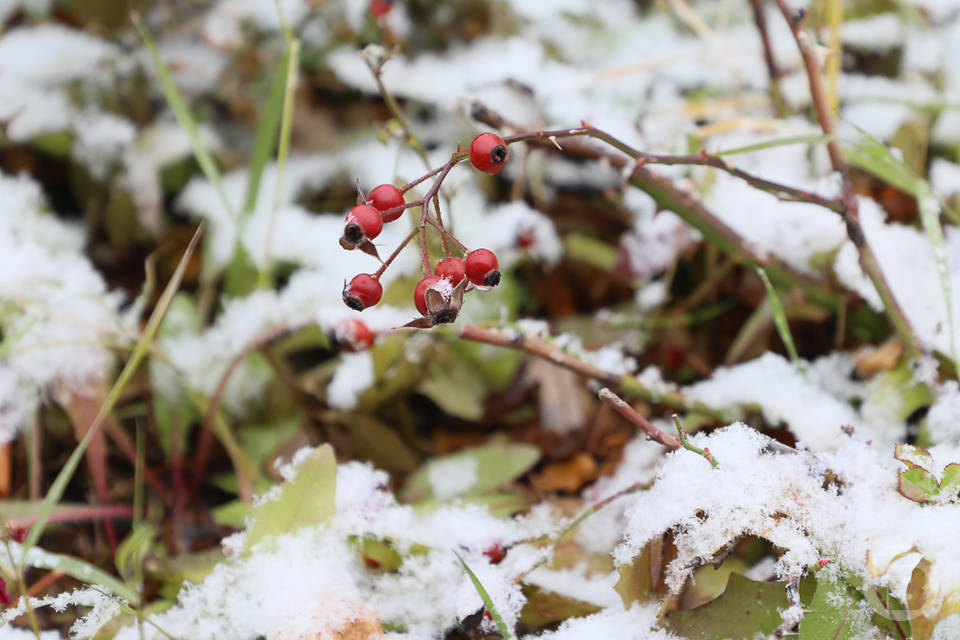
(57, 318)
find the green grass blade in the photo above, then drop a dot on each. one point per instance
(487, 602)
(929, 208)
(84, 572)
(779, 317)
(139, 351)
(184, 117)
(779, 142)
(266, 135)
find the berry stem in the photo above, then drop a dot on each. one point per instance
(446, 234)
(411, 185)
(396, 252)
(406, 205)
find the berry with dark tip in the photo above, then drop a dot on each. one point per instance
(386, 197)
(488, 153)
(420, 293)
(354, 335)
(481, 268)
(362, 292)
(363, 222)
(452, 269)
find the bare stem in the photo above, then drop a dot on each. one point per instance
(396, 252)
(850, 212)
(773, 71)
(686, 444)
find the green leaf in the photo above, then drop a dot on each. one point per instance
(545, 607)
(918, 485)
(495, 463)
(379, 553)
(373, 440)
(307, 500)
(232, 514)
(636, 582)
(133, 550)
(488, 603)
(913, 456)
(84, 572)
(456, 387)
(950, 482)
(829, 614)
(744, 609)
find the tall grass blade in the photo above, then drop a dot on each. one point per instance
(779, 318)
(266, 136)
(139, 351)
(487, 602)
(184, 117)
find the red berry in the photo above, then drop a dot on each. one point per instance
(420, 293)
(362, 292)
(481, 267)
(496, 553)
(488, 153)
(386, 197)
(18, 533)
(452, 269)
(363, 221)
(380, 8)
(354, 335)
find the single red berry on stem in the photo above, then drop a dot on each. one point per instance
(452, 269)
(420, 293)
(354, 335)
(481, 268)
(386, 197)
(380, 8)
(488, 153)
(362, 292)
(496, 553)
(363, 221)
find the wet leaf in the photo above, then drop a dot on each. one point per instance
(913, 456)
(636, 579)
(918, 485)
(543, 607)
(922, 598)
(495, 464)
(308, 500)
(829, 615)
(950, 482)
(744, 609)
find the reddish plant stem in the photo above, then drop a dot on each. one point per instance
(411, 185)
(537, 346)
(205, 440)
(396, 252)
(850, 213)
(447, 234)
(98, 512)
(631, 414)
(403, 207)
(422, 227)
(773, 71)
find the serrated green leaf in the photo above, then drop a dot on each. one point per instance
(918, 485)
(307, 500)
(829, 612)
(913, 456)
(494, 464)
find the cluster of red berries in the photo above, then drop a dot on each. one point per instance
(439, 295)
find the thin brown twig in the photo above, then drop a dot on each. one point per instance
(537, 346)
(773, 71)
(631, 414)
(850, 213)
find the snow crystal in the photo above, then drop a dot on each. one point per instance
(910, 269)
(943, 418)
(452, 476)
(783, 394)
(640, 621)
(353, 376)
